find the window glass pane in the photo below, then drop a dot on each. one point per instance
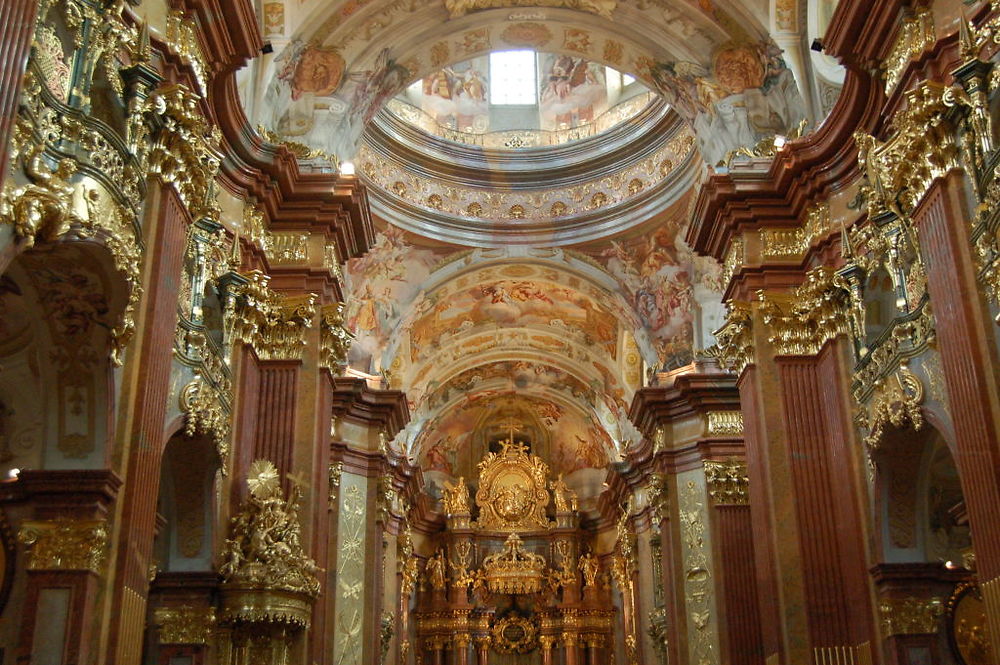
(512, 77)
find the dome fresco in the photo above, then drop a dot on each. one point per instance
(515, 99)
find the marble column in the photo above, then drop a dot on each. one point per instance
(965, 335)
(145, 389)
(801, 453)
(483, 650)
(17, 27)
(546, 642)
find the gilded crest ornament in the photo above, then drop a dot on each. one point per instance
(512, 493)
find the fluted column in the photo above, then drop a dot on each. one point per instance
(811, 571)
(572, 652)
(483, 650)
(966, 337)
(17, 26)
(145, 389)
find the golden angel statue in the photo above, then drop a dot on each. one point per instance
(434, 571)
(456, 497)
(589, 566)
(564, 497)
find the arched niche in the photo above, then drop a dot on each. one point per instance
(880, 304)
(921, 511)
(59, 304)
(187, 504)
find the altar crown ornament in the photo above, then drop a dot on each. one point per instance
(514, 571)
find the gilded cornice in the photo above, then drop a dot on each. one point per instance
(817, 312)
(65, 544)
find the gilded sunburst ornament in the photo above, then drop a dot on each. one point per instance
(262, 479)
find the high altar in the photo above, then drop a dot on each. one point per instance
(513, 580)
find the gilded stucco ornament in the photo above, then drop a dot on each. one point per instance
(728, 483)
(205, 413)
(898, 172)
(300, 150)
(181, 148)
(335, 339)
(513, 633)
(910, 615)
(817, 312)
(184, 624)
(604, 8)
(896, 402)
(274, 324)
(65, 544)
(734, 340)
(264, 552)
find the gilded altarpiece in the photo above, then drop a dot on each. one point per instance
(348, 633)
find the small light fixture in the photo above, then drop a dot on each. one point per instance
(14, 473)
(950, 565)
(267, 48)
(817, 45)
(779, 141)
(347, 168)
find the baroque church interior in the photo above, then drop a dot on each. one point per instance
(507, 332)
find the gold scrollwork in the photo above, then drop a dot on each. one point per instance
(514, 633)
(896, 402)
(272, 323)
(512, 492)
(65, 544)
(725, 423)
(910, 615)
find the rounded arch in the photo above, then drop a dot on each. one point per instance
(61, 304)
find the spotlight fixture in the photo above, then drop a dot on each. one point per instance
(267, 48)
(779, 141)
(14, 473)
(347, 168)
(817, 45)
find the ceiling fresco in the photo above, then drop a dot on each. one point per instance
(516, 282)
(714, 62)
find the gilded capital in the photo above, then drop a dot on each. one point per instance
(728, 483)
(725, 423)
(274, 324)
(65, 544)
(817, 312)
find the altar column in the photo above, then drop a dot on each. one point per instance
(546, 642)
(570, 642)
(483, 650)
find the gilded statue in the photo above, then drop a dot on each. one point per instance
(265, 551)
(434, 571)
(565, 498)
(461, 576)
(456, 497)
(589, 566)
(44, 208)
